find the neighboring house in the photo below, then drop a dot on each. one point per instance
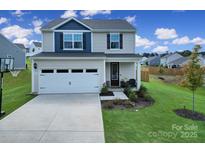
(180, 62)
(165, 60)
(153, 61)
(35, 48)
(79, 56)
(21, 46)
(10, 50)
(143, 60)
(202, 60)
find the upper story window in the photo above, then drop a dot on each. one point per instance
(114, 41)
(73, 41)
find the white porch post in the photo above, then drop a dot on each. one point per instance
(104, 69)
(138, 75)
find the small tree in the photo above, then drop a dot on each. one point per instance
(193, 74)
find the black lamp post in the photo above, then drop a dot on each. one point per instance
(1, 89)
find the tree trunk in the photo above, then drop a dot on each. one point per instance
(193, 102)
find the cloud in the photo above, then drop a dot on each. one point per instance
(69, 13)
(18, 13)
(37, 23)
(17, 34)
(24, 41)
(131, 19)
(181, 41)
(87, 18)
(198, 40)
(143, 42)
(160, 49)
(3, 20)
(165, 33)
(16, 31)
(186, 40)
(91, 13)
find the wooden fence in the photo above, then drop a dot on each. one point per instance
(145, 75)
(163, 71)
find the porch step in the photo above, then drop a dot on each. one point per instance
(116, 89)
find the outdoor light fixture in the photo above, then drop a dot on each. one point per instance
(35, 66)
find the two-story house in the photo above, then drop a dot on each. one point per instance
(13, 52)
(79, 56)
(35, 48)
(167, 59)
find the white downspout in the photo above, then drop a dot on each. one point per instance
(138, 75)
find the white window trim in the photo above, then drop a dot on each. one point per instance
(72, 33)
(114, 41)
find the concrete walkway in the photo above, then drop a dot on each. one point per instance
(55, 118)
(117, 95)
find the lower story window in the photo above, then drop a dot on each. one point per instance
(77, 70)
(47, 71)
(91, 70)
(62, 71)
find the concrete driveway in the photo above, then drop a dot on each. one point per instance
(55, 118)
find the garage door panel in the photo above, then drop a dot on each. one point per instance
(68, 82)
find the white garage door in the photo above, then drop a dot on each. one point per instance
(68, 81)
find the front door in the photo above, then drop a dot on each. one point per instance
(114, 74)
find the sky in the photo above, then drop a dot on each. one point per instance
(157, 31)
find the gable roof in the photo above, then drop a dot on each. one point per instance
(172, 54)
(7, 47)
(93, 24)
(179, 61)
(20, 45)
(38, 44)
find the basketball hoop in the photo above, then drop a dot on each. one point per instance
(6, 65)
(14, 73)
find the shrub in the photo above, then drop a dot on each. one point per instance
(132, 96)
(149, 98)
(128, 104)
(104, 89)
(142, 91)
(127, 90)
(161, 70)
(108, 105)
(117, 102)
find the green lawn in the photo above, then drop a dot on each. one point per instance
(157, 120)
(16, 90)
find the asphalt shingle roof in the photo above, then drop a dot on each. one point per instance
(37, 44)
(21, 46)
(94, 24)
(179, 61)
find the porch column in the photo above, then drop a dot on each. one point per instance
(138, 75)
(104, 72)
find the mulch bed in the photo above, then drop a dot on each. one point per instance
(125, 104)
(142, 102)
(109, 93)
(190, 115)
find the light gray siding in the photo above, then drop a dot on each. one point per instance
(8, 49)
(48, 41)
(100, 43)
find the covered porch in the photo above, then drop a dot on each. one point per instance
(122, 69)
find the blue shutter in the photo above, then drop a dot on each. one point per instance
(121, 41)
(108, 41)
